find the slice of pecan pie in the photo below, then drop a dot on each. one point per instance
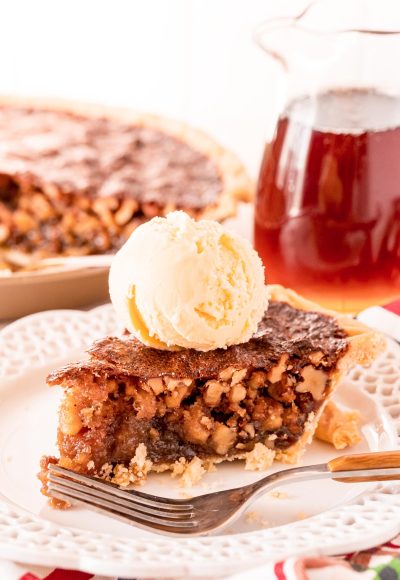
(130, 409)
(78, 179)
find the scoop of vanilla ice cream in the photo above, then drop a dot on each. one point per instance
(177, 282)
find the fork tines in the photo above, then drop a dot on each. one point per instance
(134, 507)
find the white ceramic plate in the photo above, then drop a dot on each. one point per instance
(320, 517)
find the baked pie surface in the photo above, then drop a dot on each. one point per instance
(130, 409)
(78, 179)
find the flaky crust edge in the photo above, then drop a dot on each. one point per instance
(237, 185)
(364, 345)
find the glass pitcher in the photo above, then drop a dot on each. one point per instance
(327, 216)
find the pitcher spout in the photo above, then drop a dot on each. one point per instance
(324, 32)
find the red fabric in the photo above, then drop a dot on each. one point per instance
(29, 576)
(68, 575)
(304, 564)
(278, 569)
(393, 307)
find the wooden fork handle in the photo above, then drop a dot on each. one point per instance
(378, 460)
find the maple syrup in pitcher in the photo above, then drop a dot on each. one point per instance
(327, 219)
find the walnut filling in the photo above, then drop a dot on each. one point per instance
(47, 222)
(183, 417)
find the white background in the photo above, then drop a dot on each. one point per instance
(190, 59)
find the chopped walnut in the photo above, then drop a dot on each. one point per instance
(226, 374)
(314, 382)
(156, 385)
(206, 421)
(194, 430)
(238, 376)
(174, 383)
(249, 428)
(237, 393)
(100, 207)
(126, 211)
(174, 398)
(70, 422)
(222, 439)
(275, 374)
(212, 393)
(257, 379)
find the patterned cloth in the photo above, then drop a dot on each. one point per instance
(381, 563)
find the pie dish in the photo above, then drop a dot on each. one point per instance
(78, 179)
(130, 409)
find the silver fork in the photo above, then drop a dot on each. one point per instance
(206, 513)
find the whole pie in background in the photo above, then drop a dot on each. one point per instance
(78, 179)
